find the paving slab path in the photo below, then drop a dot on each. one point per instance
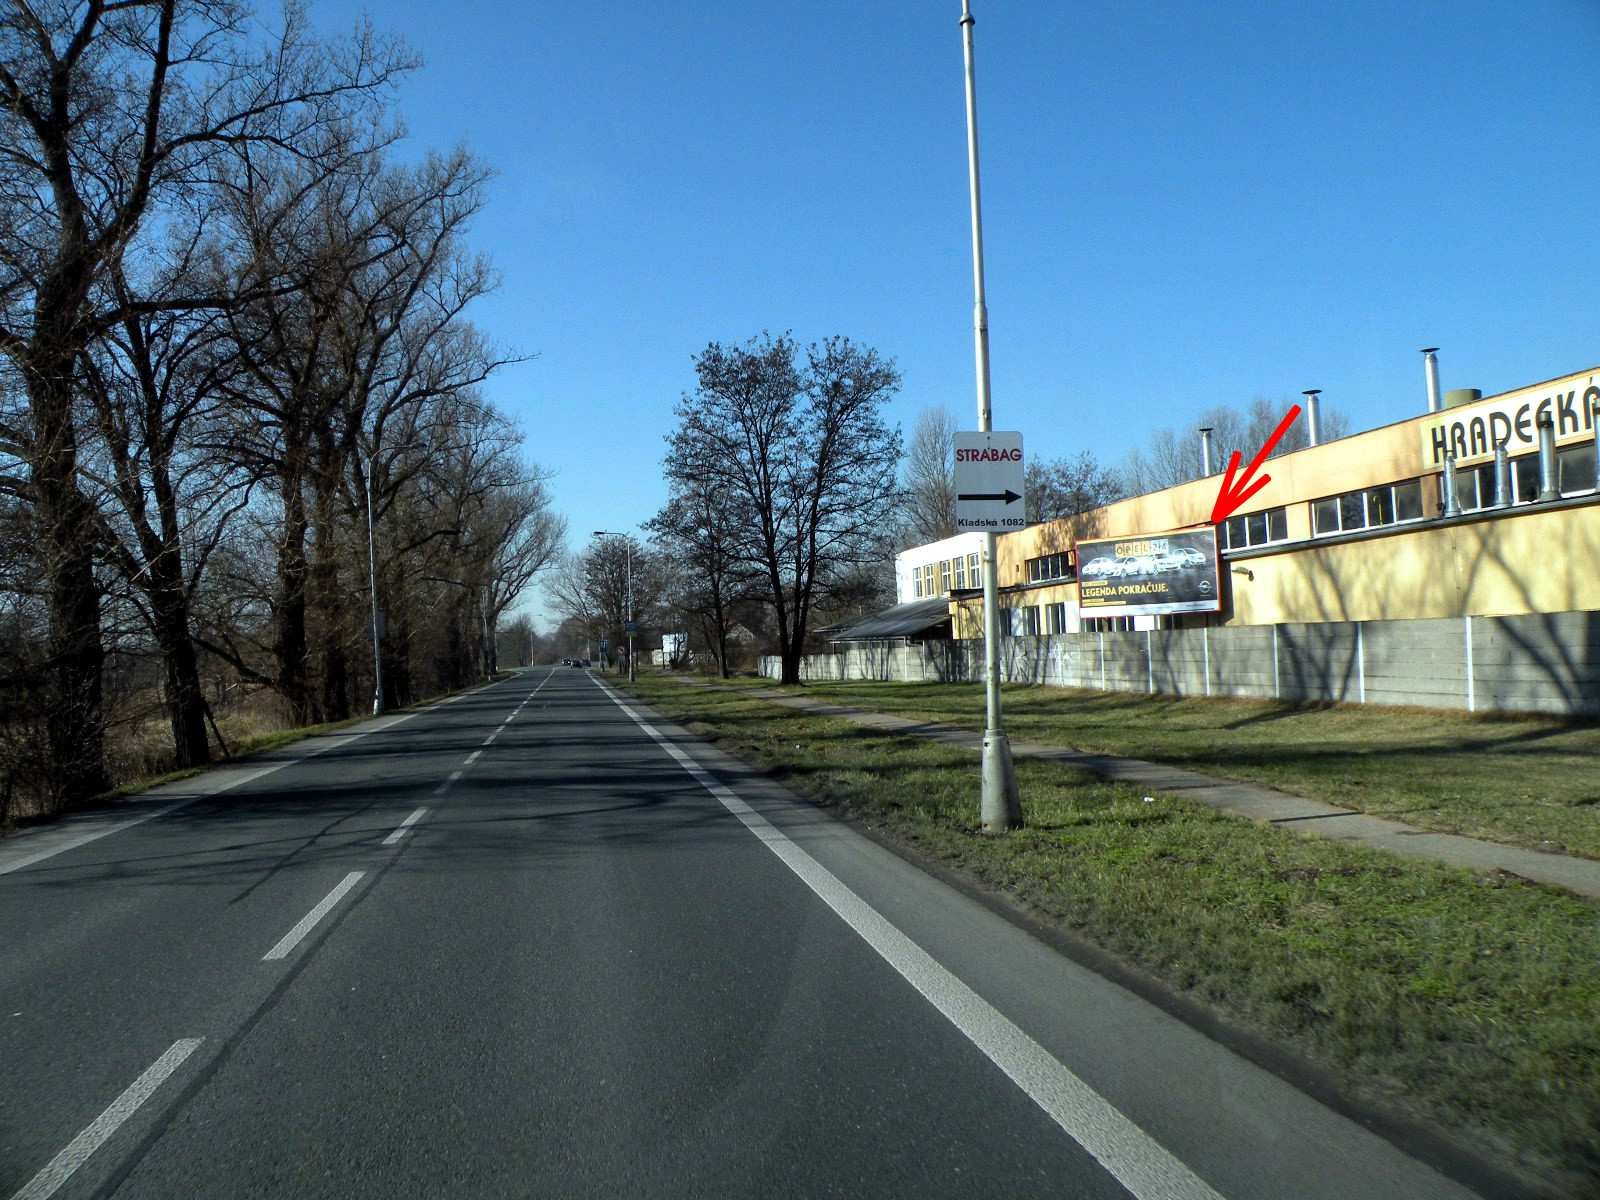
(1310, 818)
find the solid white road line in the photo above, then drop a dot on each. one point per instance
(292, 939)
(400, 832)
(60, 1168)
(1135, 1159)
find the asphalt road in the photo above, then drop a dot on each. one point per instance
(533, 942)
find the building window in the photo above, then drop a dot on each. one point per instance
(960, 564)
(1574, 473)
(1108, 624)
(1050, 566)
(944, 578)
(1525, 473)
(1030, 620)
(1056, 617)
(916, 583)
(1255, 529)
(1371, 508)
(1575, 470)
(974, 574)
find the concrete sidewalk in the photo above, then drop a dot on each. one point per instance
(1310, 818)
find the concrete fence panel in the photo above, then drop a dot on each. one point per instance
(1547, 662)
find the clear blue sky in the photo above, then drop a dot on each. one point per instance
(1185, 204)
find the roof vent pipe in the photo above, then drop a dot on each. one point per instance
(1430, 368)
(1314, 426)
(1502, 475)
(1548, 489)
(1452, 499)
(1205, 450)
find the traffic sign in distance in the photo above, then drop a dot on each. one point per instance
(989, 471)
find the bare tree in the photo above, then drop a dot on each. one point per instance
(592, 587)
(697, 536)
(804, 454)
(1067, 487)
(930, 480)
(109, 112)
(1172, 456)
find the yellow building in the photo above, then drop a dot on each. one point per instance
(1356, 529)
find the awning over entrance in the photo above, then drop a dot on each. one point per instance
(918, 619)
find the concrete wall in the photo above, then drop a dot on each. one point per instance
(1547, 662)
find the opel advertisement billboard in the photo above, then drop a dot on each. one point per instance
(1150, 574)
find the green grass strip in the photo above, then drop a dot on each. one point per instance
(1525, 780)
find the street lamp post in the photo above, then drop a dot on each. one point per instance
(627, 619)
(372, 580)
(1001, 807)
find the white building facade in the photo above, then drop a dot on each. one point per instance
(937, 568)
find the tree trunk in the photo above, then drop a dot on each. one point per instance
(186, 706)
(289, 634)
(333, 661)
(75, 690)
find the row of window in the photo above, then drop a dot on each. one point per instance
(937, 579)
(1039, 619)
(1368, 508)
(1574, 475)
(1254, 529)
(1051, 566)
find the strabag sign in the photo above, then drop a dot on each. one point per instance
(988, 479)
(1150, 574)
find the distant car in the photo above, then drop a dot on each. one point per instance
(566, 662)
(583, 662)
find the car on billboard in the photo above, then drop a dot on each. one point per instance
(1140, 564)
(1103, 567)
(1180, 559)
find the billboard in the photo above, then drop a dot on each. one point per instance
(1149, 574)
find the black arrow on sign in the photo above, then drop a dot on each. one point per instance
(1008, 496)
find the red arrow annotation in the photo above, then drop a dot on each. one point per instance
(1234, 493)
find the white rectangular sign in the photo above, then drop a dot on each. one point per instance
(989, 473)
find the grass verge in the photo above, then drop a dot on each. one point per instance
(1465, 1000)
(1524, 780)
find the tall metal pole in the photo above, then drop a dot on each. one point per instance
(1001, 808)
(372, 580)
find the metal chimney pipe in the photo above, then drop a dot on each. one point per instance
(1502, 475)
(1547, 458)
(1594, 425)
(1452, 503)
(1205, 450)
(1430, 369)
(1314, 426)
